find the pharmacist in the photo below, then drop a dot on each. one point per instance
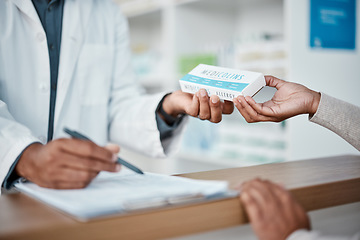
(67, 63)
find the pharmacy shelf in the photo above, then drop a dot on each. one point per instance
(137, 8)
(170, 37)
(190, 29)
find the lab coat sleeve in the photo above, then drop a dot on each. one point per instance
(132, 112)
(14, 138)
(303, 234)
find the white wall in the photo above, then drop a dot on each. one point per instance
(321, 70)
(256, 17)
(200, 27)
(203, 25)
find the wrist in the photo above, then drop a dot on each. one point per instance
(315, 103)
(170, 106)
(23, 167)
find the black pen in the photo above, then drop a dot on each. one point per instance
(77, 135)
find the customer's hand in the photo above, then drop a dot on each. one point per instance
(66, 163)
(273, 212)
(290, 99)
(197, 105)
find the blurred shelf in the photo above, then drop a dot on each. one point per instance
(135, 8)
(180, 2)
(170, 37)
(257, 35)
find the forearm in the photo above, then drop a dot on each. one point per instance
(340, 117)
(14, 138)
(138, 129)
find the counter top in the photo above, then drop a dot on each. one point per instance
(315, 183)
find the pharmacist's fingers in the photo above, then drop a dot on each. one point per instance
(67, 178)
(74, 175)
(204, 112)
(194, 107)
(85, 149)
(87, 164)
(114, 148)
(228, 107)
(215, 108)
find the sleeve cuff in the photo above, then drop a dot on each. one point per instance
(166, 128)
(302, 234)
(314, 116)
(166, 131)
(12, 177)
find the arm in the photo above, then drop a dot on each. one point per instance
(63, 163)
(340, 117)
(132, 119)
(132, 112)
(14, 138)
(293, 99)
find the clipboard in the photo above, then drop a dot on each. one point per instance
(126, 192)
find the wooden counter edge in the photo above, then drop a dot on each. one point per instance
(191, 219)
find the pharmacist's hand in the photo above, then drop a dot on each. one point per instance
(273, 212)
(66, 163)
(197, 105)
(290, 99)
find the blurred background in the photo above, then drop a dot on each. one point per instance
(311, 42)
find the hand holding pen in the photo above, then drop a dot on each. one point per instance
(78, 135)
(66, 163)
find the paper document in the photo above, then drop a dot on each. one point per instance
(111, 193)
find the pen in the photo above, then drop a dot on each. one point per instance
(77, 135)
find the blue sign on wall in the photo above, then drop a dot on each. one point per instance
(333, 24)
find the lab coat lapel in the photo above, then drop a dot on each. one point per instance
(29, 10)
(75, 19)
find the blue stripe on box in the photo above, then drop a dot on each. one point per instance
(215, 83)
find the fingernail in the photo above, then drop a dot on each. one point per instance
(237, 187)
(244, 196)
(202, 93)
(214, 99)
(118, 167)
(235, 101)
(114, 158)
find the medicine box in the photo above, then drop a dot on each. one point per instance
(226, 83)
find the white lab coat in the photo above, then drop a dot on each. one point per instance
(96, 91)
